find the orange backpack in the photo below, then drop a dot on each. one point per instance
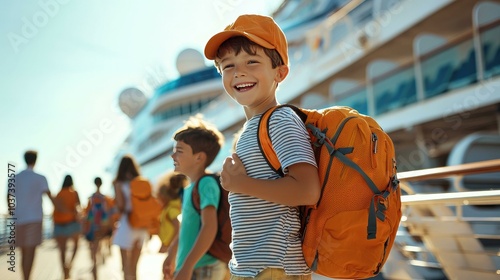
(146, 209)
(350, 231)
(220, 247)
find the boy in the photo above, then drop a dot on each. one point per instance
(252, 56)
(197, 145)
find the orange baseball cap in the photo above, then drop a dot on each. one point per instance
(261, 30)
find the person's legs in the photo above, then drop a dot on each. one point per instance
(104, 244)
(27, 257)
(61, 244)
(75, 239)
(98, 250)
(93, 252)
(72, 231)
(28, 237)
(125, 262)
(134, 258)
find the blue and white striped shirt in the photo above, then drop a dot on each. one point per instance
(266, 234)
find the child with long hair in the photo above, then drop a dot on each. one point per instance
(169, 192)
(67, 222)
(129, 239)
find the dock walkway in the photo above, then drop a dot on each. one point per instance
(46, 265)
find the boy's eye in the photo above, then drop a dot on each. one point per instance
(227, 66)
(252, 61)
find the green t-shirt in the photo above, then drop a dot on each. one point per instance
(191, 220)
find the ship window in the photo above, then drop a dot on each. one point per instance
(449, 69)
(184, 109)
(188, 79)
(362, 14)
(395, 91)
(355, 99)
(490, 41)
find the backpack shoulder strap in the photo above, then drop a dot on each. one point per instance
(195, 196)
(97, 198)
(92, 199)
(104, 202)
(264, 138)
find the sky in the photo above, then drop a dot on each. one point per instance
(63, 64)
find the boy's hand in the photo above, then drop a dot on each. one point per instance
(232, 168)
(184, 274)
(168, 268)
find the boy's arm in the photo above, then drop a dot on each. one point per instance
(169, 263)
(206, 237)
(300, 186)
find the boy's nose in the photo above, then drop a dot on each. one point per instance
(238, 73)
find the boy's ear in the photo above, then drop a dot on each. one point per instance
(201, 157)
(281, 73)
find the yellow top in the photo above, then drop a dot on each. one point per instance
(168, 214)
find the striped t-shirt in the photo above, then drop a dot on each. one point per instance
(266, 234)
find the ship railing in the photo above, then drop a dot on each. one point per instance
(8, 233)
(454, 233)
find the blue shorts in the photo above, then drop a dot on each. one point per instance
(67, 230)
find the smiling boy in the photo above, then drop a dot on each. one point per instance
(252, 56)
(197, 144)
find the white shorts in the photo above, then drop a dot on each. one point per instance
(125, 236)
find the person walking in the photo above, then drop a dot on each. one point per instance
(67, 222)
(29, 189)
(97, 222)
(129, 239)
(252, 56)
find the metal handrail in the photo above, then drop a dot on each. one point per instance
(450, 171)
(463, 198)
(458, 201)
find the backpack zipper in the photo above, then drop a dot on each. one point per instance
(375, 142)
(374, 149)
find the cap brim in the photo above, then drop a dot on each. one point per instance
(214, 43)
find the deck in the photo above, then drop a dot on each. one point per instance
(46, 265)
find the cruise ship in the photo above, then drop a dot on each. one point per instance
(427, 71)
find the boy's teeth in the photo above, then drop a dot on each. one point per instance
(244, 85)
